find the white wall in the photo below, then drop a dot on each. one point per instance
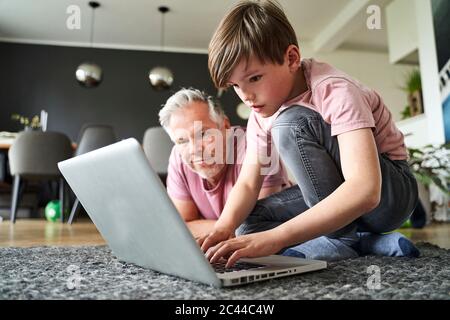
(429, 72)
(371, 68)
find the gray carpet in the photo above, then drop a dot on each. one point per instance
(42, 273)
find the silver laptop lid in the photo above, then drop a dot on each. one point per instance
(129, 205)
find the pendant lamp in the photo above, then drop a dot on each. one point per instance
(161, 78)
(89, 74)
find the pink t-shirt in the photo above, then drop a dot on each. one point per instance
(343, 102)
(184, 184)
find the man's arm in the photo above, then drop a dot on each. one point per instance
(191, 216)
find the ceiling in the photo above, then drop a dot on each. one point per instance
(136, 24)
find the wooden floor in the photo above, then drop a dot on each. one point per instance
(39, 232)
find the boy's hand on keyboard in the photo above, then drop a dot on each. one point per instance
(216, 236)
(247, 246)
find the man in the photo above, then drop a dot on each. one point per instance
(206, 159)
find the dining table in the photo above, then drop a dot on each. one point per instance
(6, 140)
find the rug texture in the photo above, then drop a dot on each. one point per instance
(94, 273)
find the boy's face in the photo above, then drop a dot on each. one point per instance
(263, 87)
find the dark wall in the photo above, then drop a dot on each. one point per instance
(441, 13)
(35, 77)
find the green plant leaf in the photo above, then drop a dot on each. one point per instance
(413, 81)
(437, 174)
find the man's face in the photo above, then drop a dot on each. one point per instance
(199, 140)
(264, 87)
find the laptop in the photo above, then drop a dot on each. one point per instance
(131, 209)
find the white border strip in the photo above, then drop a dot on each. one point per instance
(117, 46)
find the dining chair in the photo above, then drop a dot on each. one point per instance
(91, 137)
(34, 156)
(157, 147)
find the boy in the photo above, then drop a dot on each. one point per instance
(336, 136)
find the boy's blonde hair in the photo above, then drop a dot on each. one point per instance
(251, 28)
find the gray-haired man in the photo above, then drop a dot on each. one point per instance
(207, 158)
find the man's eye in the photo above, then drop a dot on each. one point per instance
(255, 78)
(181, 141)
(206, 134)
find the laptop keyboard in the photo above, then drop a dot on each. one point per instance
(219, 267)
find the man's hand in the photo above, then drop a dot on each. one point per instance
(247, 246)
(217, 235)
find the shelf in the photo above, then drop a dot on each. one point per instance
(415, 130)
(411, 120)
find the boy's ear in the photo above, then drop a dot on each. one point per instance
(293, 57)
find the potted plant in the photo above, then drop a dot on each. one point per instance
(413, 88)
(33, 124)
(431, 167)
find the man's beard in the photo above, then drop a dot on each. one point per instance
(208, 172)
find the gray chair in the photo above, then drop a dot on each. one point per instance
(157, 147)
(34, 155)
(94, 136)
(91, 137)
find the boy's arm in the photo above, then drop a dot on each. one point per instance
(265, 192)
(188, 210)
(240, 202)
(360, 193)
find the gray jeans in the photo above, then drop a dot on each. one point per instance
(304, 142)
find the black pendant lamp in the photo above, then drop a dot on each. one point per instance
(89, 74)
(161, 78)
